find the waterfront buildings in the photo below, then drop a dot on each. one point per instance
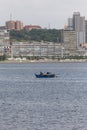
(70, 40)
(4, 42)
(36, 49)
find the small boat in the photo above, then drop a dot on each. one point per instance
(45, 75)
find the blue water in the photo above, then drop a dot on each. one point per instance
(28, 103)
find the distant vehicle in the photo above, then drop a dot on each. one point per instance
(45, 75)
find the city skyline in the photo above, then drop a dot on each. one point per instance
(46, 13)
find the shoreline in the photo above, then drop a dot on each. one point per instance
(45, 61)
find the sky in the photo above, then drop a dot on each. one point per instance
(46, 13)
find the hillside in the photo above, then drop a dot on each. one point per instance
(50, 35)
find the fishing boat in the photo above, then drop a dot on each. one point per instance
(45, 75)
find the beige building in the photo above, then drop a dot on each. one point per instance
(69, 41)
(10, 25)
(18, 25)
(14, 25)
(36, 49)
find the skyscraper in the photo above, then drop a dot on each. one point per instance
(86, 31)
(79, 27)
(70, 24)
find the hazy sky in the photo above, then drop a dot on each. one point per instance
(46, 13)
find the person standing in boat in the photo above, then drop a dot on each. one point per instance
(41, 73)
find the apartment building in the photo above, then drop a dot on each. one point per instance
(69, 41)
(34, 49)
(18, 25)
(14, 25)
(10, 25)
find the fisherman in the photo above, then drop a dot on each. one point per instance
(41, 73)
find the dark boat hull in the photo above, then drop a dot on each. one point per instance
(45, 76)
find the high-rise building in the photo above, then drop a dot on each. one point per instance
(69, 41)
(14, 25)
(18, 25)
(86, 31)
(70, 24)
(79, 27)
(10, 25)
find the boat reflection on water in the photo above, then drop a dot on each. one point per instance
(45, 75)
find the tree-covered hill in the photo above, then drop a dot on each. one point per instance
(50, 35)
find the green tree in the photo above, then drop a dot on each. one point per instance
(50, 35)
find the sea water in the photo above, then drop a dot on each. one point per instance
(30, 103)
